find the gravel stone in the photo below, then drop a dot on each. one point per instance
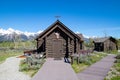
(9, 70)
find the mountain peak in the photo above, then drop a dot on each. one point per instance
(13, 31)
(9, 34)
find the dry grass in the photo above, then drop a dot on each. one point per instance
(88, 60)
(4, 54)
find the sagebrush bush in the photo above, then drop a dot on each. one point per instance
(85, 59)
(25, 67)
(118, 56)
(35, 67)
(115, 78)
(114, 52)
(117, 61)
(23, 61)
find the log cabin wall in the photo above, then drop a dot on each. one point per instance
(113, 46)
(105, 44)
(58, 41)
(109, 45)
(72, 46)
(67, 47)
(51, 38)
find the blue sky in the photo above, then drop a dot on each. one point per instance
(90, 17)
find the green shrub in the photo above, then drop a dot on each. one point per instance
(23, 62)
(115, 78)
(118, 69)
(117, 61)
(118, 56)
(113, 52)
(24, 67)
(30, 69)
(35, 67)
(117, 65)
(35, 71)
(88, 60)
(78, 67)
(85, 59)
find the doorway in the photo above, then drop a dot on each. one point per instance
(57, 49)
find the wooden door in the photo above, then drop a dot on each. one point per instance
(57, 49)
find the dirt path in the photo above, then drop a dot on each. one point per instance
(9, 70)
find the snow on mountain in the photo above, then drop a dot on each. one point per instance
(12, 31)
(9, 34)
(86, 36)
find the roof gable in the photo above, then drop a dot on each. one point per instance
(101, 39)
(55, 25)
(81, 36)
(98, 40)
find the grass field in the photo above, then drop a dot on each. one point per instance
(9, 49)
(4, 54)
(87, 61)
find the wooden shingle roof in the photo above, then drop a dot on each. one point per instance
(98, 40)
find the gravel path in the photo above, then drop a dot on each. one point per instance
(9, 70)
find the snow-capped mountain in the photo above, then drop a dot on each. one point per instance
(12, 34)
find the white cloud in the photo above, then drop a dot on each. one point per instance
(78, 32)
